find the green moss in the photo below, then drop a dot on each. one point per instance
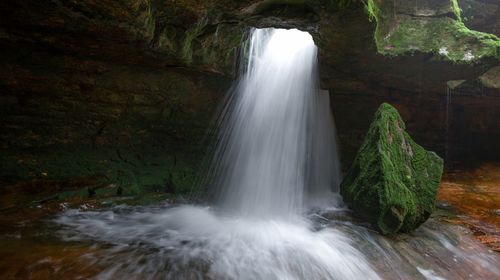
(375, 15)
(447, 38)
(393, 181)
(88, 172)
(372, 10)
(220, 48)
(456, 9)
(187, 45)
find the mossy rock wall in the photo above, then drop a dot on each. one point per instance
(126, 89)
(119, 128)
(436, 27)
(393, 181)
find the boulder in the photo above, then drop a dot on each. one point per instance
(393, 181)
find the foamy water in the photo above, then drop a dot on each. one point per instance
(197, 244)
(193, 242)
(276, 159)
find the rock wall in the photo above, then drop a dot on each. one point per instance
(125, 90)
(88, 91)
(131, 125)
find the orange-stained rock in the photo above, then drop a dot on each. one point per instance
(476, 194)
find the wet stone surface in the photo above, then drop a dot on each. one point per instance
(37, 244)
(475, 196)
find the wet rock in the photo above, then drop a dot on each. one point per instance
(474, 195)
(491, 79)
(435, 27)
(393, 181)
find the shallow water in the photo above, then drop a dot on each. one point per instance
(191, 242)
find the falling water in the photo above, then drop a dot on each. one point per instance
(324, 168)
(447, 127)
(277, 136)
(275, 159)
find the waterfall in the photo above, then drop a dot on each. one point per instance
(275, 157)
(447, 128)
(277, 136)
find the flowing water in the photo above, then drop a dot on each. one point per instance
(277, 144)
(276, 212)
(447, 126)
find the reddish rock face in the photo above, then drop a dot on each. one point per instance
(476, 195)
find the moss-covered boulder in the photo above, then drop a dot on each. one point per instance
(393, 181)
